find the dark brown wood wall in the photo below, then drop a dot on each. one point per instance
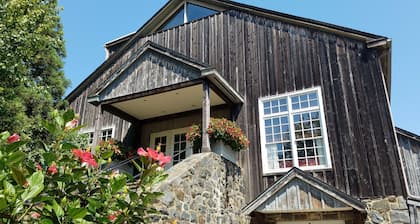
(261, 57)
(410, 153)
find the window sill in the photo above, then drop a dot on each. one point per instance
(307, 168)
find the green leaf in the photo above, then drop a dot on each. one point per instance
(36, 185)
(57, 209)
(51, 128)
(68, 146)
(9, 189)
(107, 155)
(133, 196)
(49, 157)
(68, 116)
(78, 213)
(18, 175)
(15, 158)
(118, 183)
(15, 145)
(36, 179)
(4, 135)
(47, 221)
(3, 204)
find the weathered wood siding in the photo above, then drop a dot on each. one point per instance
(298, 195)
(414, 209)
(410, 153)
(149, 71)
(261, 57)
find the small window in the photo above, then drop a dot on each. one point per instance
(293, 132)
(176, 20)
(107, 134)
(89, 135)
(195, 12)
(187, 13)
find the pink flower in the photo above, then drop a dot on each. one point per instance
(163, 160)
(13, 138)
(112, 217)
(85, 157)
(71, 124)
(142, 152)
(52, 169)
(153, 154)
(35, 215)
(38, 167)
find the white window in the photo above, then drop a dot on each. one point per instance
(293, 132)
(107, 134)
(173, 143)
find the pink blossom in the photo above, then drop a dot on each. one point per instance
(72, 124)
(13, 138)
(52, 169)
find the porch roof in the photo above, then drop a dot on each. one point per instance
(298, 191)
(157, 81)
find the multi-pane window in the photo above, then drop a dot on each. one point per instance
(187, 13)
(106, 134)
(173, 143)
(161, 140)
(180, 148)
(293, 131)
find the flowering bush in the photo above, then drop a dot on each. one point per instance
(113, 150)
(65, 183)
(220, 129)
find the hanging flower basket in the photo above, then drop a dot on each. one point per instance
(226, 138)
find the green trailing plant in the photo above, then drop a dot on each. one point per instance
(220, 129)
(66, 184)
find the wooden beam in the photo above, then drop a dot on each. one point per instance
(205, 146)
(98, 126)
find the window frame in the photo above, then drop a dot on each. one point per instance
(170, 139)
(88, 133)
(184, 6)
(104, 129)
(290, 113)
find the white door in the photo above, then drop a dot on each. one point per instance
(173, 143)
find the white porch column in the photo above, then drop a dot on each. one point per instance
(205, 146)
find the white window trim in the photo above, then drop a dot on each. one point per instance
(106, 128)
(170, 142)
(266, 170)
(88, 131)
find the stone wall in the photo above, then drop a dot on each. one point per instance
(391, 209)
(204, 188)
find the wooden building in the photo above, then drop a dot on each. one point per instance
(308, 94)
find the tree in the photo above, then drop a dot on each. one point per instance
(32, 81)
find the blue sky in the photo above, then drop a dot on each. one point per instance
(89, 24)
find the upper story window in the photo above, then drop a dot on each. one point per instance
(107, 134)
(293, 132)
(187, 13)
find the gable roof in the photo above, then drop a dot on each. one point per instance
(295, 174)
(160, 17)
(406, 133)
(151, 46)
(194, 72)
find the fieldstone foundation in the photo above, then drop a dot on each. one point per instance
(391, 209)
(204, 188)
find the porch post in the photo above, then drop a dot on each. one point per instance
(205, 145)
(98, 126)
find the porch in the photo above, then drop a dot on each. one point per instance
(162, 93)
